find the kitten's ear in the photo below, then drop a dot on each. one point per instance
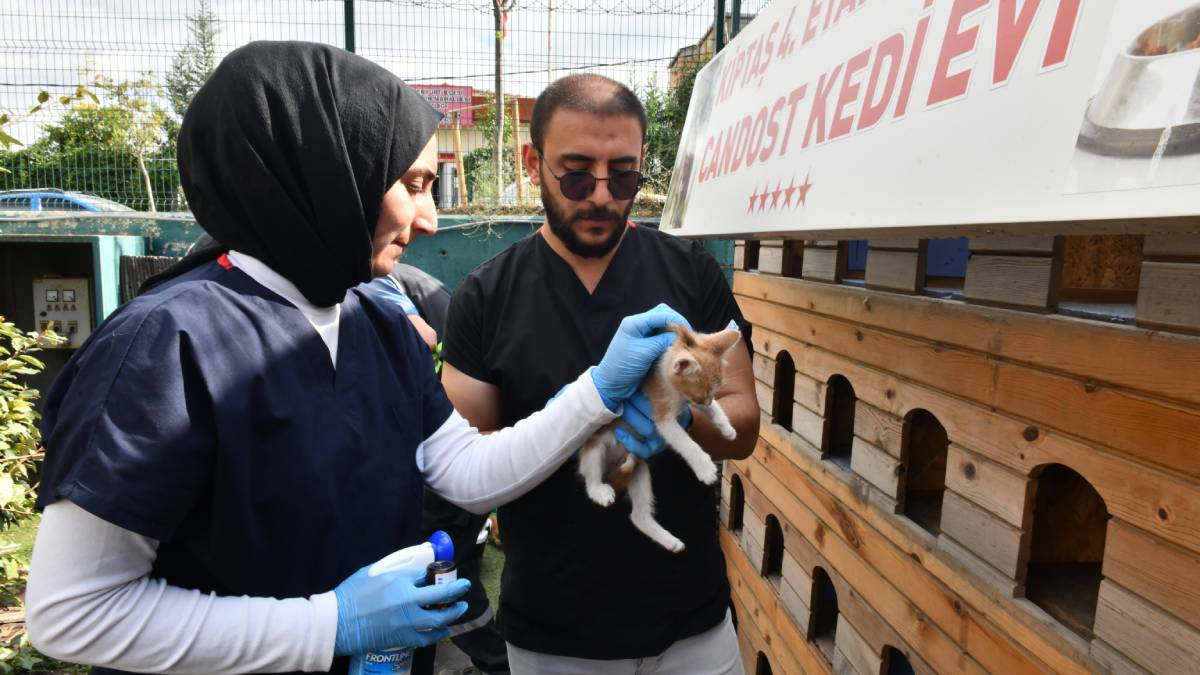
(685, 365)
(726, 339)
(685, 336)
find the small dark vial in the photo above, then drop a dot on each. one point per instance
(441, 572)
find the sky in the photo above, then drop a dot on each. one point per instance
(47, 44)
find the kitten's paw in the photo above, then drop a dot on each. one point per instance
(707, 474)
(602, 494)
(673, 545)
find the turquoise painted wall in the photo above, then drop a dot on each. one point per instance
(462, 242)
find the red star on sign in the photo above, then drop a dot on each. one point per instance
(753, 196)
(775, 196)
(762, 198)
(804, 190)
(788, 191)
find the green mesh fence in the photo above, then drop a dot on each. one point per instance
(144, 58)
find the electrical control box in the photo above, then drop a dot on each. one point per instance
(65, 302)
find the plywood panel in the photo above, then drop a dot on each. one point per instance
(1149, 636)
(1164, 574)
(1169, 296)
(1033, 245)
(1026, 282)
(941, 590)
(1152, 500)
(1102, 262)
(824, 264)
(990, 485)
(995, 541)
(1148, 361)
(1155, 432)
(902, 271)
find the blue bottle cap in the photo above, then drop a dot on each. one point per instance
(443, 546)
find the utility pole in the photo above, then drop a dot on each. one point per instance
(499, 8)
(549, 38)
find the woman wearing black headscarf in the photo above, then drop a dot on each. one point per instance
(228, 448)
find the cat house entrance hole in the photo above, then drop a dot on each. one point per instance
(923, 454)
(838, 439)
(1070, 521)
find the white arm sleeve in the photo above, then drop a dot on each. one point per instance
(91, 600)
(480, 472)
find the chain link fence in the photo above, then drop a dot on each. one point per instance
(141, 60)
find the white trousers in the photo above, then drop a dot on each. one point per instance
(713, 652)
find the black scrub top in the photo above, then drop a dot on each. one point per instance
(207, 414)
(579, 579)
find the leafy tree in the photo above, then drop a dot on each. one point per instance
(480, 164)
(195, 61)
(666, 111)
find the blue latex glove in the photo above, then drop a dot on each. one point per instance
(632, 350)
(384, 287)
(389, 610)
(637, 414)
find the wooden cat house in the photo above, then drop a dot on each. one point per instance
(976, 334)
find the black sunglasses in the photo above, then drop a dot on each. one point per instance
(579, 185)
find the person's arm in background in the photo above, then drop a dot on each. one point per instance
(475, 400)
(740, 403)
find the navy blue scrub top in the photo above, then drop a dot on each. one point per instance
(208, 415)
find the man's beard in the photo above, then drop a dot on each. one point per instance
(562, 228)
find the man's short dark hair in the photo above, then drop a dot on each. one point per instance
(586, 93)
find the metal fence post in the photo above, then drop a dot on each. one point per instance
(349, 6)
(720, 27)
(737, 19)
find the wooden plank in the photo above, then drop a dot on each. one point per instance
(770, 258)
(977, 570)
(822, 264)
(1113, 661)
(1169, 296)
(1143, 360)
(1151, 500)
(1013, 281)
(796, 605)
(893, 245)
(877, 467)
(881, 429)
(1170, 246)
(901, 271)
(739, 256)
(999, 544)
(990, 485)
(1150, 430)
(1162, 573)
(1031, 245)
(1109, 264)
(936, 583)
(1149, 636)
(842, 544)
(807, 424)
(785, 645)
(823, 243)
(864, 659)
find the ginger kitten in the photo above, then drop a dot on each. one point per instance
(688, 372)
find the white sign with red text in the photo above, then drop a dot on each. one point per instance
(968, 115)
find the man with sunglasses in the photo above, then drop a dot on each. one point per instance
(583, 591)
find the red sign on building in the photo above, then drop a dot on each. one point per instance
(447, 98)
